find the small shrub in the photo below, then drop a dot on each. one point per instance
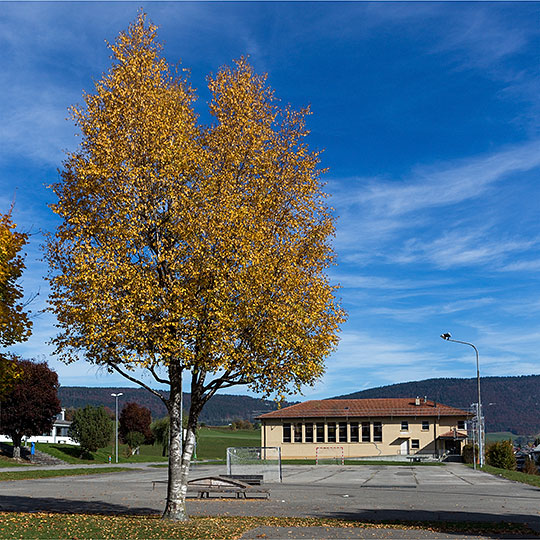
(91, 428)
(160, 431)
(530, 467)
(501, 455)
(469, 453)
(134, 439)
(241, 424)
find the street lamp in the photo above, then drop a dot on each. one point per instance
(116, 396)
(448, 337)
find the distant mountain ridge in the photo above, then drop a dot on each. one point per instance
(220, 409)
(509, 403)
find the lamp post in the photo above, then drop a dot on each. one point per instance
(448, 337)
(116, 396)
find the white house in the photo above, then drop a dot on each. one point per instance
(58, 434)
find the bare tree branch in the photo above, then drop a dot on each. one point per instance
(157, 377)
(133, 379)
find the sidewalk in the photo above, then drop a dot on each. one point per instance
(31, 467)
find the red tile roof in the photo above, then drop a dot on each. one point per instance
(452, 434)
(364, 408)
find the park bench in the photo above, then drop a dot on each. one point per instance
(417, 458)
(223, 485)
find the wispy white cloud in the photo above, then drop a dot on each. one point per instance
(441, 184)
(362, 281)
(482, 37)
(462, 248)
(522, 266)
(382, 220)
(427, 312)
(364, 358)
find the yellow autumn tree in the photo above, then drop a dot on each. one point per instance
(15, 325)
(190, 248)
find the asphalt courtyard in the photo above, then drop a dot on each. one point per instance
(450, 493)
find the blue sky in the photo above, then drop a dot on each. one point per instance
(428, 114)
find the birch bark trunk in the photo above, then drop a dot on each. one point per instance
(175, 508)
(16, 449)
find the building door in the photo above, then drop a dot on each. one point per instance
(405, 447)
(453, 447)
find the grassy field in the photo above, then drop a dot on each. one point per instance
(33, 474)
(72, 454)
(500, 436)
(83, 526)
(516, 476)
(212, 443)
(497, 436)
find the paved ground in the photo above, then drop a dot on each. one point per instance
(450, 493)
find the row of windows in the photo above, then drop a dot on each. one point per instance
(335, 432)
(405, 425)
(425, 425)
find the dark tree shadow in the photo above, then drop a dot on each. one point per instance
(17, 503)
(480, 521)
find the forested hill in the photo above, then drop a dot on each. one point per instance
(220, 410)
(510, 403)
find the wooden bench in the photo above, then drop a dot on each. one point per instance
(223, 485)
(417, 458)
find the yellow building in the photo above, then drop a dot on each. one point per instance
(354, 428)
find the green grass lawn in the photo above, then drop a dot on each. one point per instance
(212, 443)
(497, 436)
(72, 454)
(516, 476)
(83, 526)
(33, 474)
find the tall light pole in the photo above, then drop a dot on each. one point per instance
(116, 396)
(448, 337)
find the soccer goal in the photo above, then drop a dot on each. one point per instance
(265, 460)
(329, 455)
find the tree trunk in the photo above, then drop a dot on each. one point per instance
(16, 446)
(179, 458)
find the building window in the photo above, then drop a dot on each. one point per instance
(354, 432)
(320, 432)
(309, 432)
(415, 444)
(343, 432)
(377, 431)
(286, 432)
(461, 424)
(366, 435)
(331, 432)
(425, 425)
(298, 433)
(404, 425)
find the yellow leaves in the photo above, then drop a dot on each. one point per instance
(10, 372)
(14, 323)
(204, 246)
